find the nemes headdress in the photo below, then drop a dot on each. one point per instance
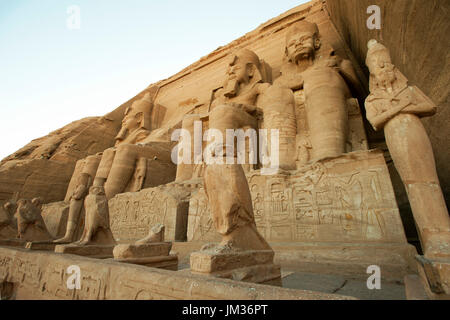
(251, 57)
(303, 26)
(373, 47)
(144, 106)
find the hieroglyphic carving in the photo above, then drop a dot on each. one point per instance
(200, 223)
(346, 199)
(133, 213)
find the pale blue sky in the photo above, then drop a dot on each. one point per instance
(51, 75)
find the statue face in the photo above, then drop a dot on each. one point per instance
(300, 46)
(97, 190)
(381, 68)
(131, 121)
(239, 72)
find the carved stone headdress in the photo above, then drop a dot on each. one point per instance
(374, 46)
(263, 70)
(303, 26)
(144, 106)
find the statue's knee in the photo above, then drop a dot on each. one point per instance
(220, 112)
(124, 149)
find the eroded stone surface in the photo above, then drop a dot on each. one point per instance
(41, 275)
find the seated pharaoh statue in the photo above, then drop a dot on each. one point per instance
(247, 100)
(324, 77)
(118, 164)
(127, 167)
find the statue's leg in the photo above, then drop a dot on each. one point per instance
(74, 213)
(125, 161)
(231, 207)
(327, 116)
(185, 171)
(413, 157)
(121, 171)
(104, 168)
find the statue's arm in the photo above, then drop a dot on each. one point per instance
(80, 193)
(290, 79)
(378, 120)
(349, 74)
(421, 104)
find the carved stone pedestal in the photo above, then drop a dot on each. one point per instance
(246, 266)
(155, 255)
(91, 251)
(7, 232)
(13, 243)
(435, 276)
(40, 245)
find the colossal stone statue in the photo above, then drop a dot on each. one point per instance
(397, 107)
(323, 77)
(119, 163)
(234, 108)
(123, 167)
(243, 253)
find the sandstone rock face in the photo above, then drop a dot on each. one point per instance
(52, 159)
(28, 171)
(417, 34)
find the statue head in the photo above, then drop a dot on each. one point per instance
(25, 207)
(97, 190)
(137, 116)
(302, 41)
(10, 207)
(380, 65)
(244, 68)
(37, 202)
